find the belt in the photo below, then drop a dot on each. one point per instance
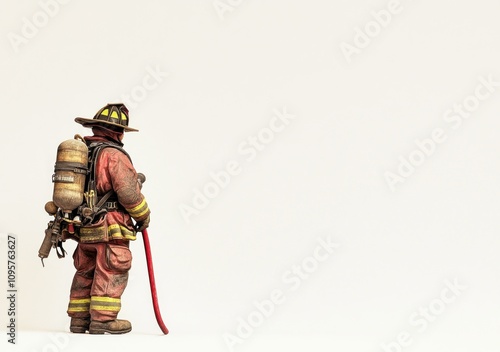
(110, 206)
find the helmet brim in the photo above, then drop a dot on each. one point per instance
(85, 122)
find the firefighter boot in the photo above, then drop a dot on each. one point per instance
(79, 325)
(116, 326)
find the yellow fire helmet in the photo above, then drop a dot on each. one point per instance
(112, 115)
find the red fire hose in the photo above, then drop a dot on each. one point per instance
(152, 282)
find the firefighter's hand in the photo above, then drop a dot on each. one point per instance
(142, 225)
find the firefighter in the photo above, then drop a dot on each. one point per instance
(102, 257)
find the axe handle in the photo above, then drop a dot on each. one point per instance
(152, 282)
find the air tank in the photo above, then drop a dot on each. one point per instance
(70, 172)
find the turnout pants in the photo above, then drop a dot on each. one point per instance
(100, 279)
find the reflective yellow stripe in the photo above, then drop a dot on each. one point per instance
(78, 309)
(113, 228)
(114, 115)
(77, 301)
(117, 231)
(137, 207)
(105, 112)
(105, 303)
(138, 215)
(107, 308)
(139, 210)
(79, 305)
(105, 299)
(131, 237)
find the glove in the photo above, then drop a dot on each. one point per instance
(142, 225)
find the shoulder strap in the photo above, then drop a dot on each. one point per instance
(95, 149)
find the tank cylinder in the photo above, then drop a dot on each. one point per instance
(69, 176)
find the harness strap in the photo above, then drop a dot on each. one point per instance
(78, 168)
(103, 205)
(104, 199)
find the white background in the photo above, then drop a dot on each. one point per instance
(323, 176)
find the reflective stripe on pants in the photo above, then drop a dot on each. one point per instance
(100, 279)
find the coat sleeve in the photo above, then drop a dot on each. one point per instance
(123, 179)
